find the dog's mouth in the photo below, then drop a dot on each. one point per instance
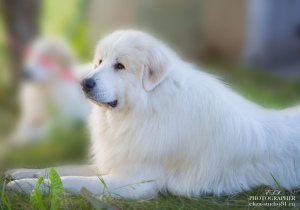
(112, 104)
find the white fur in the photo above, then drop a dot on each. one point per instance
(187, 130)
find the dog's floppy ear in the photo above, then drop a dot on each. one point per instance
(155, 69)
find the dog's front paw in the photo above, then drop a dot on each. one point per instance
(21, 186)
(27, 185)
(23, 174)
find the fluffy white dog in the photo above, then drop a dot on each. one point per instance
(159, 124)
(47, 93)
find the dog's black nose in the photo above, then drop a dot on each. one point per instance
(88, 84)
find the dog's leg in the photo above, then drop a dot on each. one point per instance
(116, 186)
(87, 170)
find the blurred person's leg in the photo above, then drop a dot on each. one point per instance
(21, 19)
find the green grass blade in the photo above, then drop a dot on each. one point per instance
(276, 182)
(56, 189)
(105, 188)
(3, 198)
(36, 196)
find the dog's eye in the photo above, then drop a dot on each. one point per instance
(119, 66)
(96, 65)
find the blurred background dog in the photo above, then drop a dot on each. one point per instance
(50, 92)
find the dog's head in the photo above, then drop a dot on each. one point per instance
(47, 59)
(127, 66)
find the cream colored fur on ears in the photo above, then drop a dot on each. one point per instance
(155, 70)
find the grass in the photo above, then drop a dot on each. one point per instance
(240, 201)
(70, 147)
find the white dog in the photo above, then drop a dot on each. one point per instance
(159, 124)
(47, 91)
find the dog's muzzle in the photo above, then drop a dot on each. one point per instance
(88, 85)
